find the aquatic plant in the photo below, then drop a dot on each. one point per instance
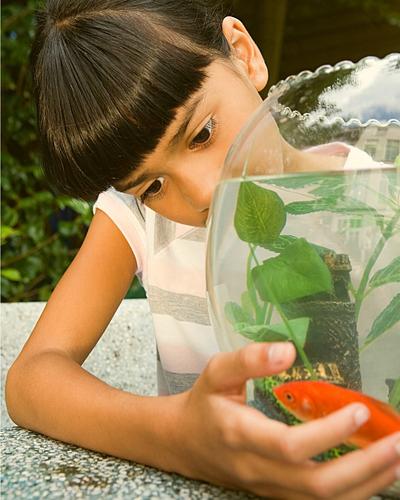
(303, 272)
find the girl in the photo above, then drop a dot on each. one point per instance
(140, 100)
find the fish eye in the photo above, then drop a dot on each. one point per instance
(289, 397)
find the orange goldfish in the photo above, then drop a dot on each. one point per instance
(308, 400)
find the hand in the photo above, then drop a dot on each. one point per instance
(223, 441)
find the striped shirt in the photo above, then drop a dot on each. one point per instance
(171, 266)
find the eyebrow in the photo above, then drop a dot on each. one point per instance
(185, 122)
(171, 144)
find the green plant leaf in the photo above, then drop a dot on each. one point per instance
(281, 242)
(7, 231)
(342, 204)
(326, 184)
(394, 395)
(235, 314)
(11, 274)
(385, 320)
(259, 333)
(79, 206)
(297, 272)
(260, 214)
(284, 240)
(246, 303)
(299, 328)
(389, 274)
(275, 333)
(331, 185)
(9, 215)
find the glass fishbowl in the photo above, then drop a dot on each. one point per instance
(304, 243)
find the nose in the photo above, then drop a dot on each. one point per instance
(198, 188)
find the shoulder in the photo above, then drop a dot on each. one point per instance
(354, 157)
(128, 215)
(357, 158)
(112, 200)
(105, 238)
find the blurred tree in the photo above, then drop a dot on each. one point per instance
(40, 232)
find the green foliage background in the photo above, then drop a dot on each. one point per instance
(40, 232)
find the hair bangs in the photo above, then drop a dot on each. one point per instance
(107, 85)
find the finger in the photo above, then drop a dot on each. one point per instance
(273, 439)
(376, 485)
(230, 370)
(368, 470)
(357, 475)
(312, 438)
(379, 484)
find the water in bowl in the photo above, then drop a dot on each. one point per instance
(313, 259)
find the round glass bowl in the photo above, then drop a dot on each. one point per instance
(304, 241)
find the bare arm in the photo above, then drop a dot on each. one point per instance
(206, 433)
(48, 391)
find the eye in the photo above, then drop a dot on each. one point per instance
(289, 397)
(204, 136)
(153, 190)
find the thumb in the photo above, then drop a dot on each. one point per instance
(230, 370)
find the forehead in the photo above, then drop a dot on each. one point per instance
(219, 76)
(218, 80)
(220, 84)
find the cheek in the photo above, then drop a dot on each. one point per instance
(231, 128)
(176, 209)
(237, 121)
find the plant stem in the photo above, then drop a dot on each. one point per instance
(371, 262)
(267, 319)
(299, 348)
(252, 294)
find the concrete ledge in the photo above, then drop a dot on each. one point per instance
(124, 356)
(35, 466)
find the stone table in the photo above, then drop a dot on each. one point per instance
(36, 467)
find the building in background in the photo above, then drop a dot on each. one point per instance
(382, 143)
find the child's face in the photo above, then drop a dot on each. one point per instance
(178, 178)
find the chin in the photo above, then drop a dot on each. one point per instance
(200, 221)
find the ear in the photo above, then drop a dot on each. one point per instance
(245, 51)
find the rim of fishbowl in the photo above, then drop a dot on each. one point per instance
(280, 87)
(276, 91)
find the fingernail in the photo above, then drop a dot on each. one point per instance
(277, 353)
(361, 415)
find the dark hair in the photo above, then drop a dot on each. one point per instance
(108, 77)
